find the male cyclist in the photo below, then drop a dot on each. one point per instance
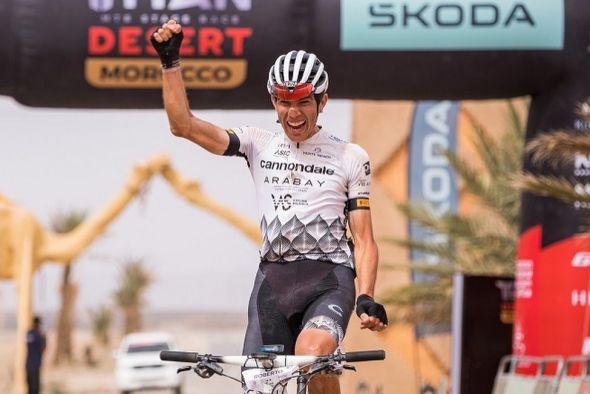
(309, 186)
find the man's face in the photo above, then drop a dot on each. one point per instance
(299, 117)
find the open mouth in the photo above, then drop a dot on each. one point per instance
(296, 125)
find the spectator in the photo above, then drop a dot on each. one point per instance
(35, 349)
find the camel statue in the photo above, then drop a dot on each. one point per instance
(26, 244)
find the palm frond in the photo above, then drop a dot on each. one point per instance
(134, 280)
(583, 109)
(483, 242)
(551, 186)
(501, 157)
(557, 148)
(443, 251)
(515, 122)
(443, 270)
(65, 221)
(496, 193)
(427, 216)
(420, 303)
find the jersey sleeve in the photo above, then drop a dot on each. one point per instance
(246, 141)
(359, 180)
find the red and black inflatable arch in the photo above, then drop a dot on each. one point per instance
(95, 54)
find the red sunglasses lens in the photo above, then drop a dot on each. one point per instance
(296, 93)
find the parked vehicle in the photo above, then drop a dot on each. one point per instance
(138, 365)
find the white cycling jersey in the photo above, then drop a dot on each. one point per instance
(304, 192)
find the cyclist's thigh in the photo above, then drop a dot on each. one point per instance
(266, 324)
(331, 310)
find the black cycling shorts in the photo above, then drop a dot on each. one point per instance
(290, 297)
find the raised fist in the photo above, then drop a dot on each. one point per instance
(166, 40)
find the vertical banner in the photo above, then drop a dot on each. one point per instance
(553, 283)
(431, 178)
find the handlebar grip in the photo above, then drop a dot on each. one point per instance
(368, 355)
(185, 357)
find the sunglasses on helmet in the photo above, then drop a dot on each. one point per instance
(294, 93)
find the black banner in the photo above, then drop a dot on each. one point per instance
(95, 54)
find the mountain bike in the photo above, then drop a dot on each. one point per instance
(268, 372)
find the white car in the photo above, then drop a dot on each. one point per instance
(138, 365)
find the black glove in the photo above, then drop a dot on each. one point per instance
(366, 304)
(169, 51)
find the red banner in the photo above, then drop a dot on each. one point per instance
(552, 296)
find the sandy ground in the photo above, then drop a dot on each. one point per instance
(79, 378)
(220, 334)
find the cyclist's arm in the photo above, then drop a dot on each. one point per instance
(365, 250)
(366, 257)
(182, 122)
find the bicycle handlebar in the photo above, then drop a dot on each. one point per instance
(184, 357)
(281, 360)
(368, 355)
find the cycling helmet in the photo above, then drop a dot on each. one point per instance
(296, 75)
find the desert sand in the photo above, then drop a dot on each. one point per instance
(192, 332)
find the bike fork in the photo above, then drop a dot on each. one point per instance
(302, 384)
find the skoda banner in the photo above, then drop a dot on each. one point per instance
(432, 180)
(452, 25)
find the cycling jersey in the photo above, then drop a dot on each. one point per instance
(304, 191)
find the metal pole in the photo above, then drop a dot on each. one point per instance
(457, 332)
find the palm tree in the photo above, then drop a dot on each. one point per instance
(129, 297)
(558, 148)
(482, 242)
(64, 222)
(101, 319)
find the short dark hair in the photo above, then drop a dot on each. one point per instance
(37, 321)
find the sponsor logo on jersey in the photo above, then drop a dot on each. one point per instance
(275, 180)
(282, 201)
(286, 201)
(317, 153)
(284, 166)
(334, 138)
(367, 167)
(282, 153)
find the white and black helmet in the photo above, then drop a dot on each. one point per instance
(295, 68)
